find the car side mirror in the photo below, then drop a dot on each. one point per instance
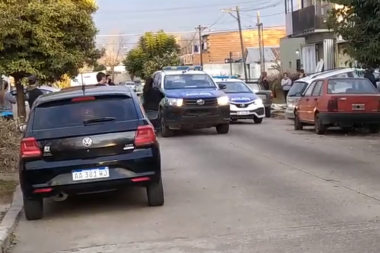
(22, 128)
(222, 86)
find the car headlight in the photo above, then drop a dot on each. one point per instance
(223, 100)
(259, 101)
(174, 101)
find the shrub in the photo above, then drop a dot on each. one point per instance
(9, 146)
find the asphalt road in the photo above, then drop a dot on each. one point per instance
(261, 188)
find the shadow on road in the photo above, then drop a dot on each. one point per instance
(76, 206)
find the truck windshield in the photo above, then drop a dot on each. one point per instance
(188, 81)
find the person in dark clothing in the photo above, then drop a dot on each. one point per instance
(371, 77)
(34, 92)
(264, 80)
(301, 73)
(152, 96)
(101, 78)
(109, 80)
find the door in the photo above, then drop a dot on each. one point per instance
(314, 99)
(304, 104)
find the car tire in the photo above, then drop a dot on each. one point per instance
(257, 120)
(155, 193)
(165, 131)
(374, 128)
(297, 124)
(223, 128)
(268, 112)
(320, 128)
(33, 208)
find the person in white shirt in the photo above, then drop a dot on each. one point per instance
(286, 84)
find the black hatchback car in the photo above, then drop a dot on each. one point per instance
(79, 142)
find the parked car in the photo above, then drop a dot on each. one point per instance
(80, 142)
(265, 95)
(300, 85)
(343, 102)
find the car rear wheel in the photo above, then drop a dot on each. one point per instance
(165, 130)
(268, 112)
(257, 120)
(374, 128)
(33, 208)
(223, 128)
(297, 124)
(155, 193)
(320, 128)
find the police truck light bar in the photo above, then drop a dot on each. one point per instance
(225, 77)
(186, 68)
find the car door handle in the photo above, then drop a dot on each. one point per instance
(315, 99)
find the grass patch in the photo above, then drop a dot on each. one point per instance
(7, 187)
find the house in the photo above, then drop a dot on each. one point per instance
(308, 40)
(218, 47)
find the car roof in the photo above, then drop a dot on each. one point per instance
(176, 72)
(90, 90)
(326, 74)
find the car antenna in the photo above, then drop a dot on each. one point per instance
(83, 88)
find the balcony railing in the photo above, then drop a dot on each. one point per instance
(305, 20)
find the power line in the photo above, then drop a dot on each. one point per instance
(187, 7)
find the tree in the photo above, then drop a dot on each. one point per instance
(99, 67)
(153, 51)
(358, 22)
(48, 38)
(114, 54)
(158, 62)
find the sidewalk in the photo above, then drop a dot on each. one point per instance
(8, 183)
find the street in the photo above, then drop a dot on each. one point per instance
(260, 188)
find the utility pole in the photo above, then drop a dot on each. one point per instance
(261, 46)
(200, 29)
(241, 43)
(230, 63)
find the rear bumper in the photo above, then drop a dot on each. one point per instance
(349, 118)
(195, 117)
(122, 172)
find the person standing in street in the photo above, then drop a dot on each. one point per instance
(33, 92)
(286, 84)
(369, 74)
(6, 99)
(301, 74)
(109, 80)
(264, 80)
(101, 78)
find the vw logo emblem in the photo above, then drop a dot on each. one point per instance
(200, 102)
(87, 142)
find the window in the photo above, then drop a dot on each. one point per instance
(188, 81)
(157, 80)
(64, 113)
(309, 90)
(351, 86)
(236, 87)
(297, 89)
(318, 89)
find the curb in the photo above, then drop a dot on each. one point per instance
(9, 222)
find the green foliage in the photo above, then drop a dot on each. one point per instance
(154, 50)
(158, 62)
(47, 38)
(358, 23)
(99, 67)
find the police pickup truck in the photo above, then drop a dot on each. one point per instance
(192, 100)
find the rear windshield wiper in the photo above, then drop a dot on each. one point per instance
(97, 120)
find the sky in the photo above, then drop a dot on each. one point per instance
(134, 17)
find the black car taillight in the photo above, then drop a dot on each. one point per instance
(30, 148)
(332, 105)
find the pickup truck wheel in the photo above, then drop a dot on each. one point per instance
(297, 124)
(320, 128)
(268, 112)
(165, 131)
(257, 120)
(374, 128)
(223, 128)
(155, 193)
(33, 208)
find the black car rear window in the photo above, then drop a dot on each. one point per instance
(65, 113)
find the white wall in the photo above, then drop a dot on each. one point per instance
(237, 69)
